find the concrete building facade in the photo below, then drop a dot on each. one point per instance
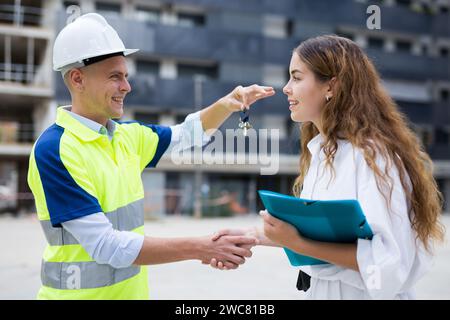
(194, 52)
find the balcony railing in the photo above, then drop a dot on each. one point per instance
(405, 65)
(15, 72)
(439, 151)
(12, 132)
(21, 15)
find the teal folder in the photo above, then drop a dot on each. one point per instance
(322, 220)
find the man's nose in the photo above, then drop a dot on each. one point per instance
(125, 86)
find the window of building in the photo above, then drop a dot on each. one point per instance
(377, 2)
(424, 133)
(445, 95)
(346, 35)
(375, 43)
(290, 25)
(404, 46)
(179, 118)
(173, 193)
(426, 8)
(425, 50)
(148, 14)
(404, 3)
(108, 8)
(442, 136)
(147, 67)
(189, 70)
(23, 12)
(191, 20)
(146, 117)
(444, 10)
(444, 52)
(71, 3)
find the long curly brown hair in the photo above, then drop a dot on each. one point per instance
(362, 112)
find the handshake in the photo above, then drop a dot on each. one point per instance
(228, 248)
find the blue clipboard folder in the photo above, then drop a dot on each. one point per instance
(321, 220)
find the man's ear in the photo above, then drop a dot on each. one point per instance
(76, 79)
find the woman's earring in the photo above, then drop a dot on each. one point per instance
(328, 98)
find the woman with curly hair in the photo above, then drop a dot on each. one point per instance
(356, 144)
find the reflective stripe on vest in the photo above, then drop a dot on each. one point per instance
(126, 218)
(83, 275)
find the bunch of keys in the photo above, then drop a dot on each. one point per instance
(243, 122)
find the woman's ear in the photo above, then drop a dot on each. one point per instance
(331, 87)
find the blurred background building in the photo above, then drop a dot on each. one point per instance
(194, 52)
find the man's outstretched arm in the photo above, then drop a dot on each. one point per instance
(121, 249)
(166, 250)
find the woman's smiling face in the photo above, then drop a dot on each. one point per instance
(306, 95)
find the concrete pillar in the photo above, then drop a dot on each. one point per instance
(389, 45)
(417, 48)
(7, 61)
(30, 60)
(48, 17)
(361, 40)
(154, 188)
(167, 120)
(44, 116)
(87, 6)
(24, 204)
(128, 9)
(168, 69)
(169, 18)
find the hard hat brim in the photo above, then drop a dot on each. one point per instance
(129, 51)
(125, 52)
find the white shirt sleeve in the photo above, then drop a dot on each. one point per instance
(105, 245)
(188, 134)
(391, 262)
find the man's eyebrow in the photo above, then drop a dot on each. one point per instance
(118, 72)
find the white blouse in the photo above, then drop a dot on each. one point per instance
(391, 263)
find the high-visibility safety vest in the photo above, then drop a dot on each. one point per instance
(75, 171)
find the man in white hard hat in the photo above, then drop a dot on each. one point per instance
(85, 174)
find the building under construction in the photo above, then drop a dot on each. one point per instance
(194, 52)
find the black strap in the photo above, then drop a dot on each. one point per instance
(100, 58)
(303, 281)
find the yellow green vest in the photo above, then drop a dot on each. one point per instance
(75, 171)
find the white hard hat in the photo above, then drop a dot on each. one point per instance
(89, 36)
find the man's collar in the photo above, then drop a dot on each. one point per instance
(84, 128)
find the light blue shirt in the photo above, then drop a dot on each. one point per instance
(97, 127)
(94, 232)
